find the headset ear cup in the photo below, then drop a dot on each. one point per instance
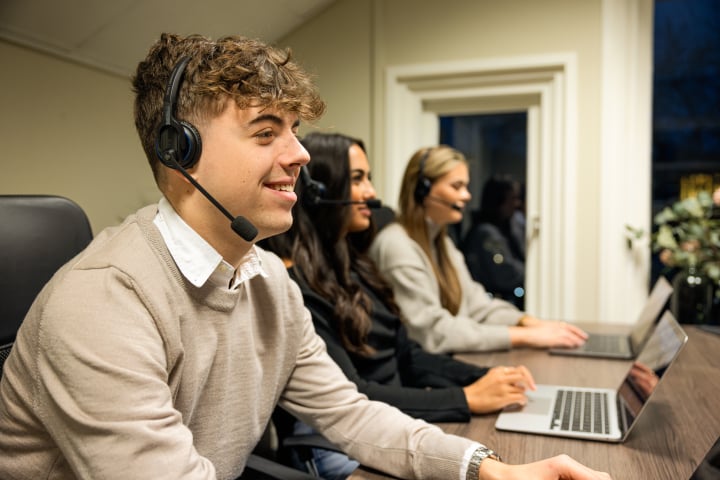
(423, 184)
(314, 193)
(190, 152)
(422, 189)
(165, 142)
(183, 139)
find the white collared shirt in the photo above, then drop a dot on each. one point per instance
(197, 260)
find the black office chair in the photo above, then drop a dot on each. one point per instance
(709, 467)
(271, 460)
(383, 216)
(40, 233)
(259, 467)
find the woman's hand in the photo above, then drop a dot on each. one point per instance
(644, 377)
(533, 332)
(561, 467)
(498, 388)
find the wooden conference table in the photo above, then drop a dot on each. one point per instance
(671, 437)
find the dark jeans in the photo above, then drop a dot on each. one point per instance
(325, 464)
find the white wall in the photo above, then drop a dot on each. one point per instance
(68, 130)
(338, 48)
(420, 32)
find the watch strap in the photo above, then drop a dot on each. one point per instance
(477, 457)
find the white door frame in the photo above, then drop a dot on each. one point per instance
(545, 87)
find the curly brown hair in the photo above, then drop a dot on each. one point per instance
(245, 70)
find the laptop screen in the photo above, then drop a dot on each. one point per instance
(653, 306)
(660, 350)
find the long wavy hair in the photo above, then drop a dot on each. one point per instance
(438, 161)
(322, 255)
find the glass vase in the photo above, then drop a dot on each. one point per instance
(692, 299)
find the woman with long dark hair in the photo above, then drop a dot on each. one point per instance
(354, 311)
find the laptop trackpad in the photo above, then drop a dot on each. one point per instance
(535, 406)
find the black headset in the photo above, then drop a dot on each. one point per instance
(424, 184)
(177, 138)
(314, 191)
(178, 146)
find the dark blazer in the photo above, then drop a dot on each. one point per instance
(401, 373)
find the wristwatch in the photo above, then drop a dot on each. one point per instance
(473, 470)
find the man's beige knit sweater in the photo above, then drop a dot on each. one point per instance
(123, 369)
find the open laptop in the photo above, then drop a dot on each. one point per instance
(600, 413)
(625, 345)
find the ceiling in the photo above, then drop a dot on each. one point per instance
(114, 36)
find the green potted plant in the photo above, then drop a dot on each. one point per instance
(687, 240)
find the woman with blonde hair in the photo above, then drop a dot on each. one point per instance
(445, 309)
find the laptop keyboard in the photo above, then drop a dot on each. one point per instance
(603, 343)
(579, 411)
